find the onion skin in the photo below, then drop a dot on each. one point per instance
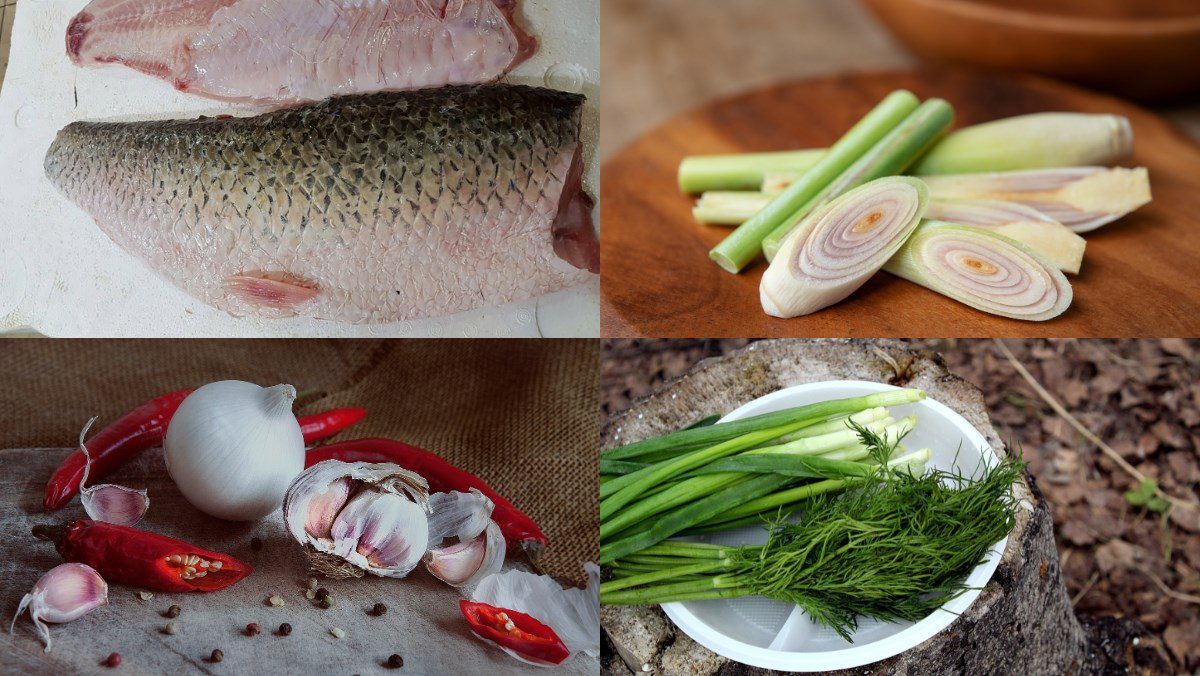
(862, 229)
(963, 262)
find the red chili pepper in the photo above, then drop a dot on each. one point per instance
(321, 426)
(143, 559)
(145, 427)
(519, 530)
(515, 631)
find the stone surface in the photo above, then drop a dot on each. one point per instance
(1023, 617)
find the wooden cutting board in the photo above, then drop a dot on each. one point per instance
(1140, 277)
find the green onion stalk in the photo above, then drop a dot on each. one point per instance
(896, 547)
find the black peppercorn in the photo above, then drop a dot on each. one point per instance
(378, 610)
(173, 611)
(285, 629)
(394, 662)
(217, 655)
(253, 629)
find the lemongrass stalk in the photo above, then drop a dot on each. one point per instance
(837, 248)
(729, 208)
(984, 270)
(811, 414)
(743, 245)
(743, 171)
(889, 157)
(1053, 240)
(1081, 198)
(1031, 141)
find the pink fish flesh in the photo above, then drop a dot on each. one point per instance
(286, 51)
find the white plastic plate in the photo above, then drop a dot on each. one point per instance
(776, 635)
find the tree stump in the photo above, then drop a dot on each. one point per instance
(1022, 622)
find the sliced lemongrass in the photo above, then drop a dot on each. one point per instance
(723, 207)
(890, 156)
(1053, 240)
(1031, 141)
(109, 502)
(1081, 198)
(744, 244)
(839, 246)
(984, 270)
(742, 171)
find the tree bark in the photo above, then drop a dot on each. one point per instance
(1022, 622)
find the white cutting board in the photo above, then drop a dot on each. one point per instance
(63, 277)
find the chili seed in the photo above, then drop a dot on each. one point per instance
(253, 629)
(145, 595)
(312, 583)
(337, 633)
(172, 628)
(256, 544)
(113, 660)
(285, 629)
(394, 662)
(275, 600)
(378, 610)
(216, 656)
(173, 611)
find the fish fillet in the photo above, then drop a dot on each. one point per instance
(365, 209)
(287, 51)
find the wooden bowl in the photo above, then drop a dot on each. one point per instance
(1144, 49)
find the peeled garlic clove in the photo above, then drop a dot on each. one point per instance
(458, 515)
(115, 504)
(67, 592)
(323, 508)
(466, 563)
(381, 528)
(389, 531)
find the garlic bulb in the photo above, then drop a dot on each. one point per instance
(479, 550)
(233, 448)
(109, 502)
(359, 517)
(67, 592)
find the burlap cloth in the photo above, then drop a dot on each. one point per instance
(523, 415)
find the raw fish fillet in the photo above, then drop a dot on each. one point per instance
(285, 51)
(367, 209)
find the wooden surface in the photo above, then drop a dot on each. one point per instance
(1141, 275)
(1149, 51)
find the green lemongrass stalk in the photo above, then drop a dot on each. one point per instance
(984, 270)
(729, 208)
(1057, 243)
(742, 171)
(743, 245)
(890, 156)
(1032, 141)
(1081, 198)
(688, 515)
(811, 414)
(893, 549)
(840, 245)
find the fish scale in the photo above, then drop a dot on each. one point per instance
(365, 209)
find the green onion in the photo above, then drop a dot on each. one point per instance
(743, 244)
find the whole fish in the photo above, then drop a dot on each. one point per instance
(366, 209)
(286, 51)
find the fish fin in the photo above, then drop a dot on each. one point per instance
(574, 235)
(274, 290)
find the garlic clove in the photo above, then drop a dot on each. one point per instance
(458, 515)
(323, 508)
(389, 531)
(109, 502)
(115, 504)
(466, 563)
(66, 592)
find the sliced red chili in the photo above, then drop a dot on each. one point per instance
(520, 531)
(143, 559)
(145, 427)
(516, 631)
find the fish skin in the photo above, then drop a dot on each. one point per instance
(363, 209)
(289, 51)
